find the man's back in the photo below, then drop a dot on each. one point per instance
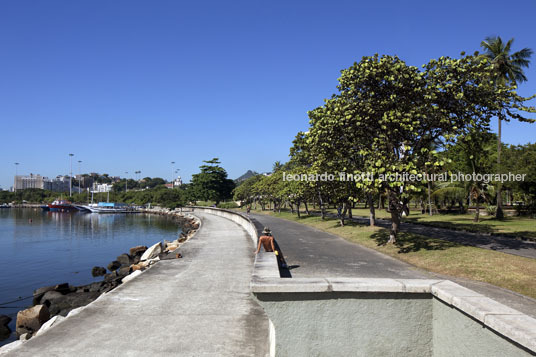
(267, 242)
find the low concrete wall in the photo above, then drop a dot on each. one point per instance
(236, 217)
(388, 317)
(381, 317)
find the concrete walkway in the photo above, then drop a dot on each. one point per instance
(310, 253)
(199, 305)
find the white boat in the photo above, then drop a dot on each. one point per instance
(110, 207)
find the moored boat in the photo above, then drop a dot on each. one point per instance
(61, 206)
(110, 207)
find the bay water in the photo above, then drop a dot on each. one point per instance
(47, 248)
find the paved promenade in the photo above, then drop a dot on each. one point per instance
(313, 253)
(199, 305)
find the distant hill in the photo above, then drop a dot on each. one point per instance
(247, 175)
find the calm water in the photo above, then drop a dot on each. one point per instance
(63, 247)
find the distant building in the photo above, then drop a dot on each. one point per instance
(59, 184)
(104, 187)
(30, 181)
(176, 183)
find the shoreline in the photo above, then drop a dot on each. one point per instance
(53, 304)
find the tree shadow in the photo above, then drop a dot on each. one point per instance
(470, 226)
(408, 242)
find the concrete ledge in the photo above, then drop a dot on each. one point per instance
(265, 266)
(279, 285)
(519, 328)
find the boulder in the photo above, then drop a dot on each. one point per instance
(113, 266)
(5, 332)
(30, 320)
(98, 271)
(123, 271)
(152, 252)
(4, 320)
(63, 288)
(125, 260)
(137, 250)
(53, 321)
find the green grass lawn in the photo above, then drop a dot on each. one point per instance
(523, 227)
(507, 271)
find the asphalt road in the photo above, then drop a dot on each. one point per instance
(313, 253)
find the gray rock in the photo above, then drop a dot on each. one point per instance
(98, 271)
(4, 320)
(124, 259)
(113, 266)
(5, 332)
(124, 271)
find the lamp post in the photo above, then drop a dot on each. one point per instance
(71, 175)
(172, 163)
(126, 180)
(79, 175)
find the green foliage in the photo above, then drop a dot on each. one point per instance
(227, 205)
(212, 182)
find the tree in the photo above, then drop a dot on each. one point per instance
(212, 182)
(387, 115)
(508, 70)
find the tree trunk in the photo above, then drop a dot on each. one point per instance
(298, 208)
(395, 218)
(306, 207)
(343, 214)
(350, 215)
(321, 204)
(429, 199)
(382, 203)
(291, 207)
(372, 214)
(499, 214)
(477, 212)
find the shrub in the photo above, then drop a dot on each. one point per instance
(227, 205)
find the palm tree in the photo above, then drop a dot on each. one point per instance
(509, 70)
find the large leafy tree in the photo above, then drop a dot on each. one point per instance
(507, 70)
(212, 184)
(387, 115)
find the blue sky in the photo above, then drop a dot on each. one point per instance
(133, 85)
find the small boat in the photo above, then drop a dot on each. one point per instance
(45, 208)
(61, 206)
(110, 207)
(5, 205)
